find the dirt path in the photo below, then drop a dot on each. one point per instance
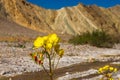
(61, 72)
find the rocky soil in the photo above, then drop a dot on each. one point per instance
(15, 60)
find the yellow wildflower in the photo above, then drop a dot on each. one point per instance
(109, 75)
(56, 47)
(53, 39)
(38, 42)
(107, 71)
(111, 68)
(61, 52)
(110, 79)
(48, 46)
(106, 67)
(100, 70)
(115, 69)
(45, 38)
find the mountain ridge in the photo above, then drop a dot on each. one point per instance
(69, 20)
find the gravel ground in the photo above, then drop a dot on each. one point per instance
(77, 74)
(15, 60)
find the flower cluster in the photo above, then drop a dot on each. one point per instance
(107, 71)
(47, 41)
(49, 45)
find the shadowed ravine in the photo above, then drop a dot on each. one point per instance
(61, 72)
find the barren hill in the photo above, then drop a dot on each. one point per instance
(68, 20)
(10, 31)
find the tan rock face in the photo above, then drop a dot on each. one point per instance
(27, 14)
(69, 20)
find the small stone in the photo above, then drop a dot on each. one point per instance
(10, 78)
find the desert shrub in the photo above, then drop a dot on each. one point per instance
(96, 38)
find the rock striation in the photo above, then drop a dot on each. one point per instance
(69, 20)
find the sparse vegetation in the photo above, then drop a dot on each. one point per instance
(107, 72)
(50, 49)
(96, 38)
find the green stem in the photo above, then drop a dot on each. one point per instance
(50, 67)
(45, 70)
(57, 63)
(54, 56)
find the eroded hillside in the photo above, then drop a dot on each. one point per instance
(69, 20)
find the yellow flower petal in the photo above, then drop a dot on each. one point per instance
(38, 42)
(56, 47)
(48, 46)
(61, 52)
(53, 39)
(45, 38)
(111, 68)
(115, 69)
(100, 70)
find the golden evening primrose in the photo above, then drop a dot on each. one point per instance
(115, 69)
(53, 39)
(45, 38)
(107, 72)
(38, 42)
(49, 48)
(111, 79)
(61, 52)
(57, 47)
(111, 68)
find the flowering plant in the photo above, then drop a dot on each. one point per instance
(107, 71)
(47, 47)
